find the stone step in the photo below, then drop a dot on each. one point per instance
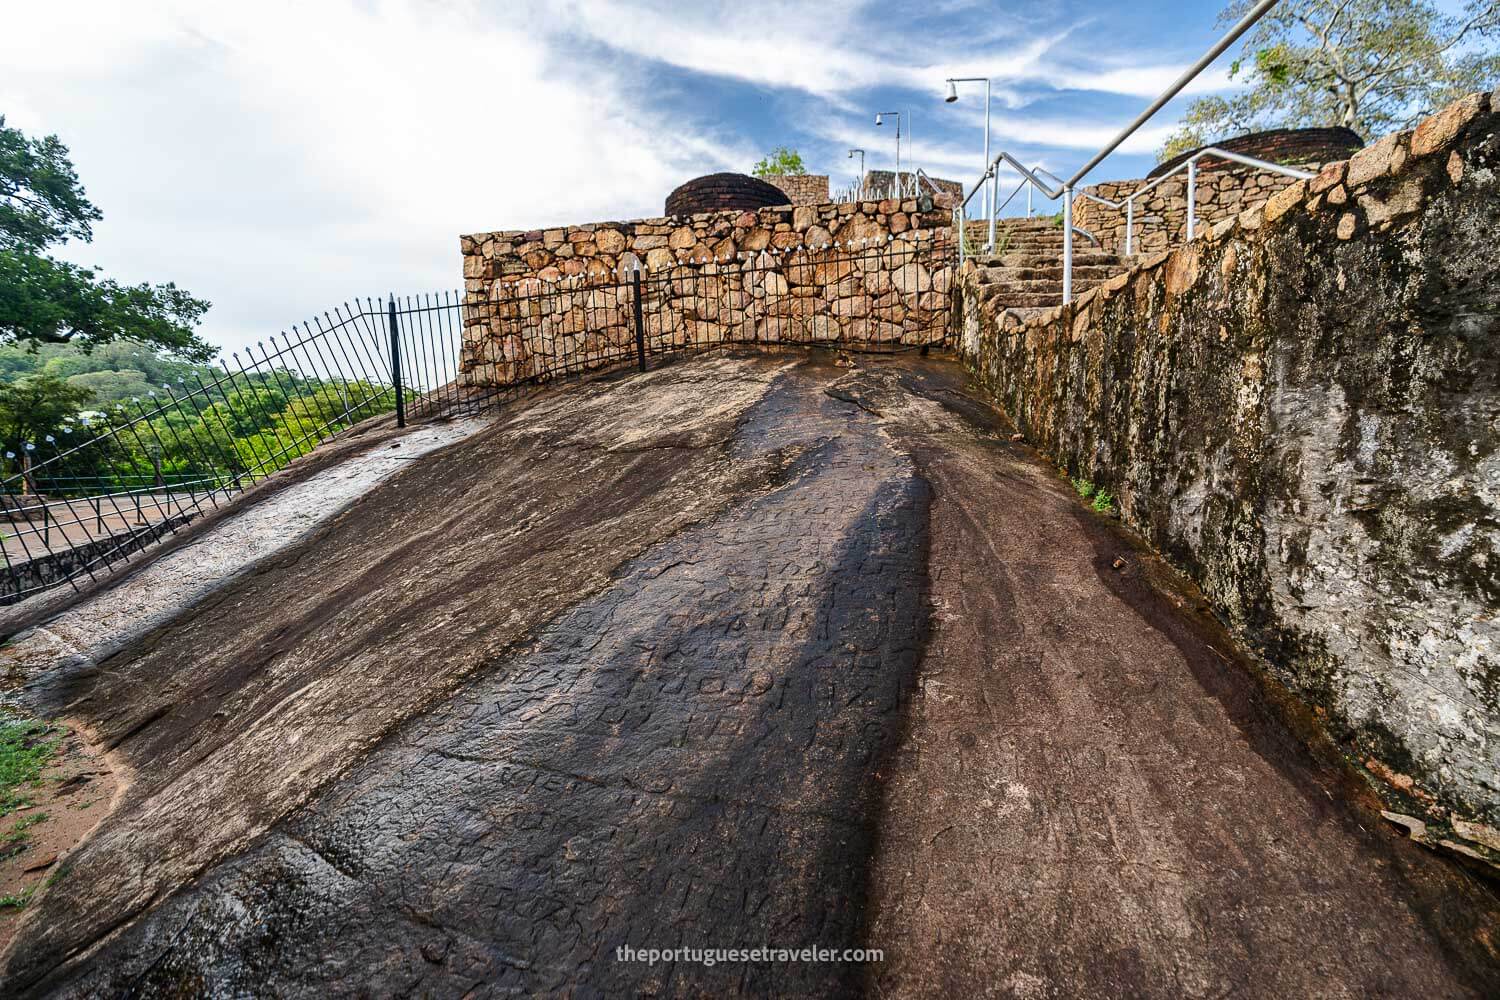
(1036, 293)
(1038, 246)
(1087, 258)
(1025, 277)
(998, 275)
(1026, 300)
(1045, 286)
(1033, 226)
(1038, 222)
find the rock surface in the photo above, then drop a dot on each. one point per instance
(743, 651)
(1302, 411)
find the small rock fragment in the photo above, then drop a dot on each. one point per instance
(42, 863)
(1479, 833)
(1414, 827)
(1455, 167)
(1018, 437)
(73, 784)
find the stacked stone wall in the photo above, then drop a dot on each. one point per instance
(1221, 192)
(870, 273)
(1301, 410)
(1289, 146)
(803, 189)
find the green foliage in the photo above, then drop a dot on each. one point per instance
(255, 423)
(1370, 65)
(1101, 500)
(44, 300)
(18, 900)
(26, 746)
(14, 840)
(780, 162)
(37, 405)
(41, 201)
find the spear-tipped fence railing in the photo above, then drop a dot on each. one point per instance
(108, 484)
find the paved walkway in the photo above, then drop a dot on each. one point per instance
(737, 653)
(108, 621)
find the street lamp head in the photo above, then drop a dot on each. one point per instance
(952, 93)
(878, 120)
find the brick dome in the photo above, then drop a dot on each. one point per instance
(723, 193)
(1279, 145)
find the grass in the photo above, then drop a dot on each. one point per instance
(972, 248)
(13, 840)
(18, 900)
(26, 748)
(1102, 501)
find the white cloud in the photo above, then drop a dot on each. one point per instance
(276, 157)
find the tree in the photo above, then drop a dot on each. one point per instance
(1369, 65)
(35, 406)
(48, 301)
(780, 162)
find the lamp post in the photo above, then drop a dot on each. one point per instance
(861, 187)
(990, 194)
(879, 120)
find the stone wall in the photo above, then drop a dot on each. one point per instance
(1301, 410)
(1291, 146)
(542, 301)
(803, 189)
(1222, 192)
(25, 579)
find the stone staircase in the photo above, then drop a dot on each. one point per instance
(1024, 275)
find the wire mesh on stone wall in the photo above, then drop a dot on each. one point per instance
(104, 486)
(882, 294)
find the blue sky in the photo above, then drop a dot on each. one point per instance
(280, 157)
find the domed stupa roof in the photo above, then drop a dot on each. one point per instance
(724, 193)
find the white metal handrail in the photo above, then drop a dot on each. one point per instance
(1030, 187)
(1191, 166)
(1032, 176)
(1065, 190)
(919, 177)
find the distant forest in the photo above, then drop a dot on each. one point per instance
(112, 373)
(158, 420)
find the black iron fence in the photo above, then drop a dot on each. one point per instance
(107, 484)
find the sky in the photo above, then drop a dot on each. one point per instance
(279, 158)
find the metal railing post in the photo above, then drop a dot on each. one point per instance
(1129, 223)
(396, 363)
(992, 202)
(640, 322)
(1030, 190)
(1192, 184)
(1067, 274)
